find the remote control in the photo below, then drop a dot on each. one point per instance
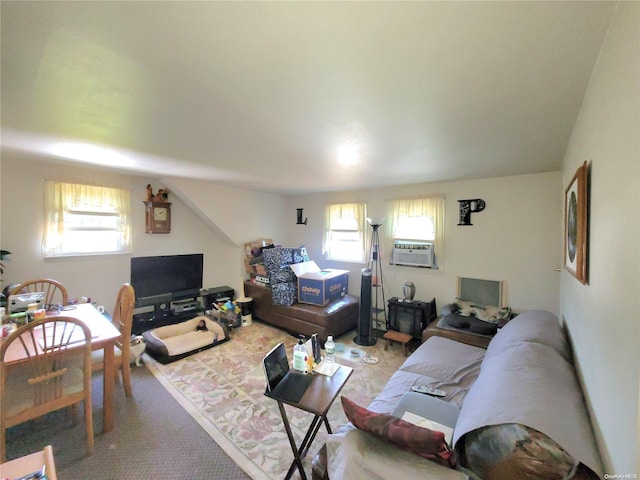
(428, 390)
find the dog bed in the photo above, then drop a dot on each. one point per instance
(474, 325)
(173, 342)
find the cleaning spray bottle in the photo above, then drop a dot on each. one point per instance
(300, 356)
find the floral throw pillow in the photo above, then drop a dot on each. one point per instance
(499, 315)
(512, 450)
(429, 444)
(486, 313)
(464, 308)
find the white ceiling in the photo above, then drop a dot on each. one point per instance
(267, 95)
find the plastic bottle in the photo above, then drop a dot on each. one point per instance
(310, 362)
(31, 310)
(329, 350)
(300, 357)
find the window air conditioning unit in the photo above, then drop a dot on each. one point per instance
(412, 253)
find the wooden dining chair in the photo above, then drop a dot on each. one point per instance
(45, 366)
(122, 319)
(54, 292)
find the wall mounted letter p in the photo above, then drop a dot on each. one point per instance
(467, 207)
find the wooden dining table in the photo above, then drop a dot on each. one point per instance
(103, 337)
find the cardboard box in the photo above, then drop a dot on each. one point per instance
(319, 287)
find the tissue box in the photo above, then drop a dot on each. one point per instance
(319, 287)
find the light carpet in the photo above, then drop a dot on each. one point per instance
(223, 390)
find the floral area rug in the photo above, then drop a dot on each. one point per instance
(223, 390)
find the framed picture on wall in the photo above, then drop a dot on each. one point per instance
(575, 225)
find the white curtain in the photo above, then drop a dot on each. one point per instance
(61, 197)
(432, 207)
(344, 216)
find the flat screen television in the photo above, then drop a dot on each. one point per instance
(153, 276)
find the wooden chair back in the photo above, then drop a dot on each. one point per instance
(122, 319)
(54, 292)
(53, 372)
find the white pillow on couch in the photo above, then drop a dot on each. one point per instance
(358, 455)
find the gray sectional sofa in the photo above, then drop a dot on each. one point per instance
(517, 410)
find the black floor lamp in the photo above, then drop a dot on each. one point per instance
(371, 279)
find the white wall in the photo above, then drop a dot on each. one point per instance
(243, 216)
(236, 216)
(239, 215)
(603, 317)
(514, 239)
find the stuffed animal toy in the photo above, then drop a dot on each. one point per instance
(161, 196)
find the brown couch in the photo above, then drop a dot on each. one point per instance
(336, 318)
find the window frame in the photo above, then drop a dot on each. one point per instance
(77, 214)
(337, 212)
(432, 207)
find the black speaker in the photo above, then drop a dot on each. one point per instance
(365, 332)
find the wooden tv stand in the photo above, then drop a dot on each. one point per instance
(157, 311)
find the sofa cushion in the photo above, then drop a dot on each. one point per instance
(422, 441)
(440, 363)
(535, 326)
(401, 383)
(530, 384)
(446, 359)
(358, 455)
(511, 450)
(426, 406)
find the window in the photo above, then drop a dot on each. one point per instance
(86, 220)
(345, 232)
(420, 219)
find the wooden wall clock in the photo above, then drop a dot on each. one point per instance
(157, 217)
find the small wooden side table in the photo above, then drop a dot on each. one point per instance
(403, 338)
(317, 399)
(31, 463)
